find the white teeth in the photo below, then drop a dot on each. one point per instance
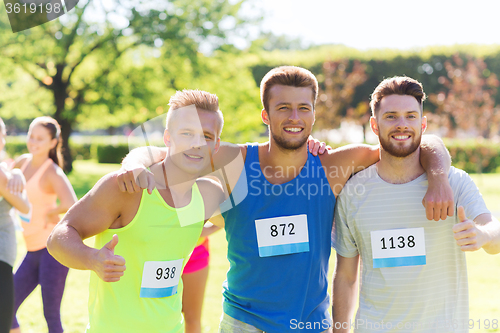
(401, 137)
(193, 156)
(293, 129)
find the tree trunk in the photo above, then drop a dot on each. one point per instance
(66, 129)
(59, 89)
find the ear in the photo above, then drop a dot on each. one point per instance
(424, 124)
(166, 138)
(217, 146)
(373, 125)
(53, 143)
(265, 116)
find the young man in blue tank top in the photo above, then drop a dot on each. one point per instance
(156, 245)
(279, 216)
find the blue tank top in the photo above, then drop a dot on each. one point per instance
(279, 287)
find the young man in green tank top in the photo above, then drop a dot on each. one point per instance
(143, 241)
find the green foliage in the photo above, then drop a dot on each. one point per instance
(239, 97)
(106, 149)
(103, 72)
(15, 146)
(111, 153)
(475, 156)
(81, 151)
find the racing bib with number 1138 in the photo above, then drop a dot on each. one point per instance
(398, 247)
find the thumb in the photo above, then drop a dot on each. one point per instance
(461, 214)
(151, 183)
(112, 243)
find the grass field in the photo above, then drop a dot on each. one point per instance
(483, 269)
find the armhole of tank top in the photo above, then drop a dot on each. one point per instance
(323, 172)
(252, 149)
(25, 164)
(133, 221)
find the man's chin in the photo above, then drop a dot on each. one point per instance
(290, 145)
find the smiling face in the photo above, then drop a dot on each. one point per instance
(40, 141)
(192, 137)
(290, 116)
(399, 124)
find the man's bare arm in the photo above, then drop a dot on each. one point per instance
(134, 177)
(345, 291)
(341, 163)
(483, 232)
(436, 161)
(93, 214)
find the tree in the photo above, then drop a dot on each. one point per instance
(337, 87)
(467, 99)
(84, 60)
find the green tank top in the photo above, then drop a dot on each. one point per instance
(156, 245)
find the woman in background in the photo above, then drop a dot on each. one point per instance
(194, 278)
(45, 184)
(7, 239)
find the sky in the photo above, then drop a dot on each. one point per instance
(365, 24)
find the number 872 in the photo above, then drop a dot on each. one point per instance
(284, 226)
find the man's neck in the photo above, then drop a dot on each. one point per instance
(281, 165)
(399, 170)
(176, 181)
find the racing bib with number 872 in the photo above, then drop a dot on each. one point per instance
(282, 235)
(160, 278)
(398, 247)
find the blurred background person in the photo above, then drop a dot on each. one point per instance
(194, 277)
(46, 184)
(8, 245)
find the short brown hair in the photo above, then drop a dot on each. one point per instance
(287, 76)
(200, 99)
(397, 85)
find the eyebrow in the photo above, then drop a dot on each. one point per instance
(195, 130)
(412, 111)
(288, 103)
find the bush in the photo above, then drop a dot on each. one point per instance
(472, 156)
(107, 153)
(15, 147)
(81, 151)
(475, 156)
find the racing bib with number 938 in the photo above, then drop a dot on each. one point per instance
(282, 235)
(398, 247)
(160, 278)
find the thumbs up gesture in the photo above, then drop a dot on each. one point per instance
(108, 266)
(467, 234)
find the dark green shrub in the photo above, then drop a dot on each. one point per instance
(107, 153)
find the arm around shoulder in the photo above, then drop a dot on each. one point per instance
(144, 156)
(436, 161)
(354, 156)
(213, 195)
